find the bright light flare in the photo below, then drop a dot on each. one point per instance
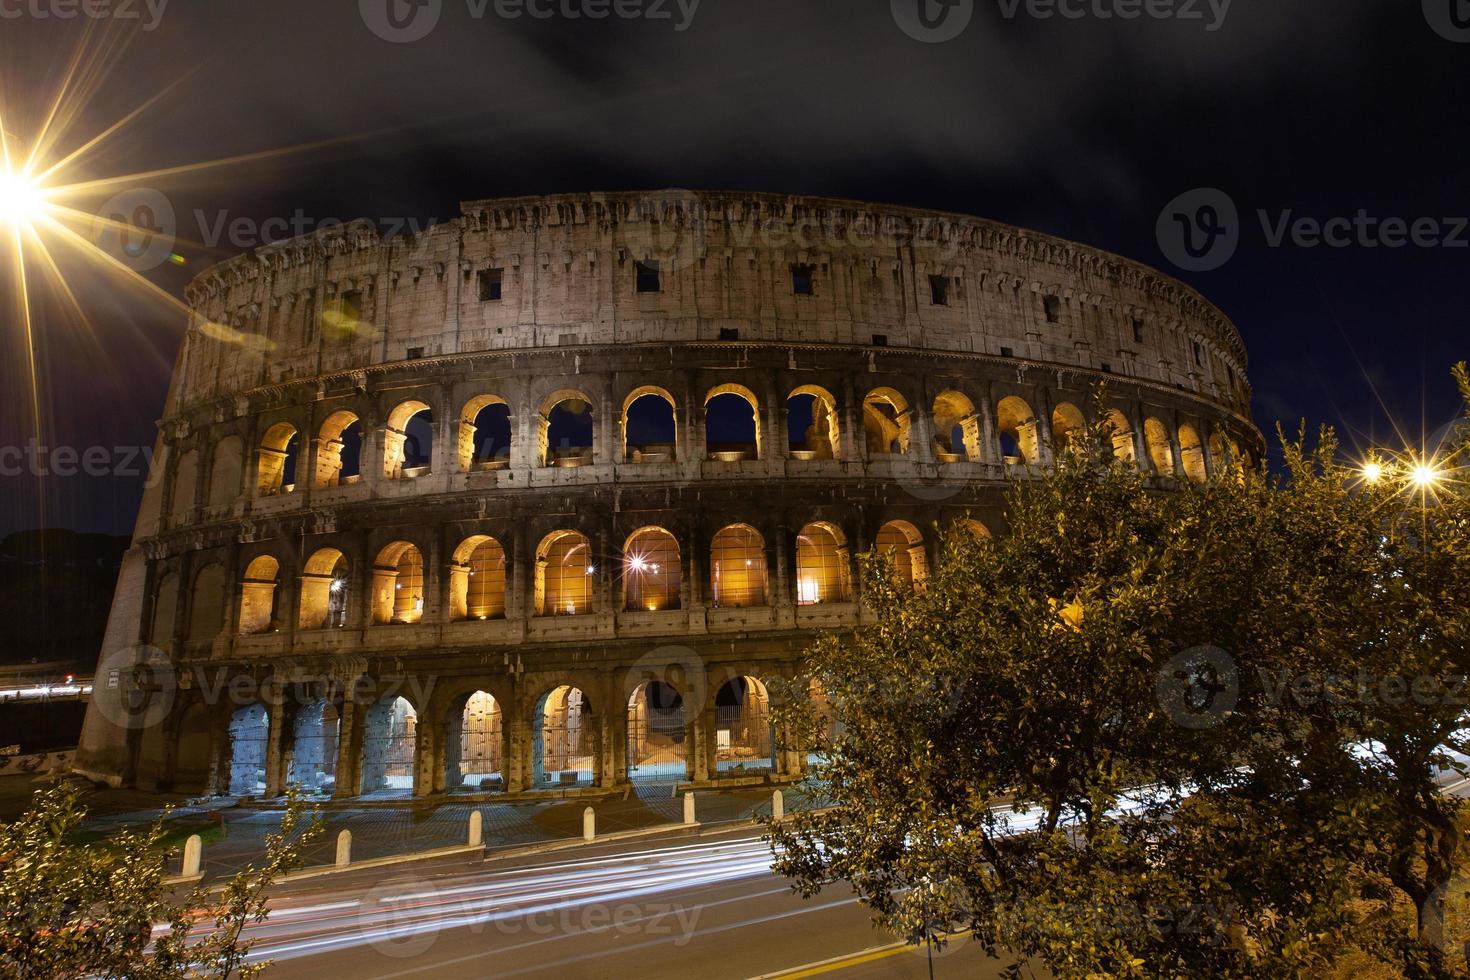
(1424, 476)
(22, 199)
(1372, 472)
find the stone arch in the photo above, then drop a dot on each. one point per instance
(207, 603)
(738, 574)
(956, 428)
(744, 734)
(194, 750)
(477, 580)
(389, 746)
(564, 739)
(226, 471)
(474, 743)
(823, 570)
(1219, 450)
(658, 733)
(566, 429)
(905, 544)
(186, 485)
(1068, 426)
(1017, 429)
(279, 455)
(398, 584)
(408, 440)
(813, 428)
(977, 530)
(652, 571)
(1160, 450)
(259, 596)
(725, 416)
(165, 611)
(887, 422)
(339, 450)
(315, 738)
(1121, 431)
(249, 737)
(652, 434)
(324, 591)
(1192, 453)
(564, 574)
(485, 436)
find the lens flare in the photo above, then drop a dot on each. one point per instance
(22, 199)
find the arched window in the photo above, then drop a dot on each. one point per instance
(651, 571)
(477, 580)
(473, 745)
(1160, 452)
(259, 595)
(902, 542)
(398, 584)
(324, 581)
(249, 736)
(658, 747)
(738, 567)
(971, 527)
(314, 747)
(732, 430)
(484, 434)
(339, 451)
(1015, 424)
(186, 485)
(279, 452)
(886, 422)
(390, 738)
(165, 612)
(1068, 427)
(226, 472)
(822, 571)
(564, 739)
(1219, 451)
(408, 443)
(207, 610)
(567, 427)
(956, 429)
(649, 426)
(812, 425)
(1192, 453)
(1122, 433)
(744, 738)
(564, 575)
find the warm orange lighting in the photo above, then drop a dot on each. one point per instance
(1424, 476)
(22, 201)
(1372, 472)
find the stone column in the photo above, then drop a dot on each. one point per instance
(349, 743)
(275, 762)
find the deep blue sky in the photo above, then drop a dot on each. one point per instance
(1084, 128)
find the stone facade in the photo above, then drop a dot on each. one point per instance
(890, 370)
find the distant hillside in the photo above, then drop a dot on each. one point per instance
(55, 591)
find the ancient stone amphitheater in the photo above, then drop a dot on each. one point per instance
(541, 500)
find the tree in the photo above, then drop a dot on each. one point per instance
(70, 910)
(1130, 737)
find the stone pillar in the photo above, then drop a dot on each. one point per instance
(349, 744)
(519, 768)
(275, 763)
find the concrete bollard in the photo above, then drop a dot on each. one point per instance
(344, 848)
(689, 808)
(193, 855)
(477, 828)
(589, 825)
(778, 806)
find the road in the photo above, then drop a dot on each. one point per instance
(707, 907)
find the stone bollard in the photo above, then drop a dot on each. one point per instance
(344, 848)
(689, 807)
(589, 825)
(477, 828)
(193, 856)
(778, 806)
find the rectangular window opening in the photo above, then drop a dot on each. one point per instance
(648, 277)
(490, 284)
(1053, 307)
(801, 279)
(939, 290)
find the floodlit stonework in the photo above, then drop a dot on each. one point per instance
(542, 499)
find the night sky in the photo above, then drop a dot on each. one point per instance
(1085, 128)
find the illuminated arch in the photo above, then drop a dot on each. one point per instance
(564, 739)
(484, 423)
(744, 734)
(822, 437)
(333, 467)
(389, 746)
(956, 428)
(398, 584)
(1122, 435)
(474, 744)
(259, 595)
(1068, 426)
(564, 574)
(823, 571)
(722, 406)
(405, 457)
(886, 422)
(278, 456)
(903, 542)
(477, 580)
(1160, 450)
(658, 729)
(737, 571)
(1017, 429)
(641, 447)
(566, 429)
(1192, 453)
(652, 575)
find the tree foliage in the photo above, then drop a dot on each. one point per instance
(77, 910)
(1146, 732)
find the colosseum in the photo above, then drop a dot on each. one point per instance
(541, 499)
